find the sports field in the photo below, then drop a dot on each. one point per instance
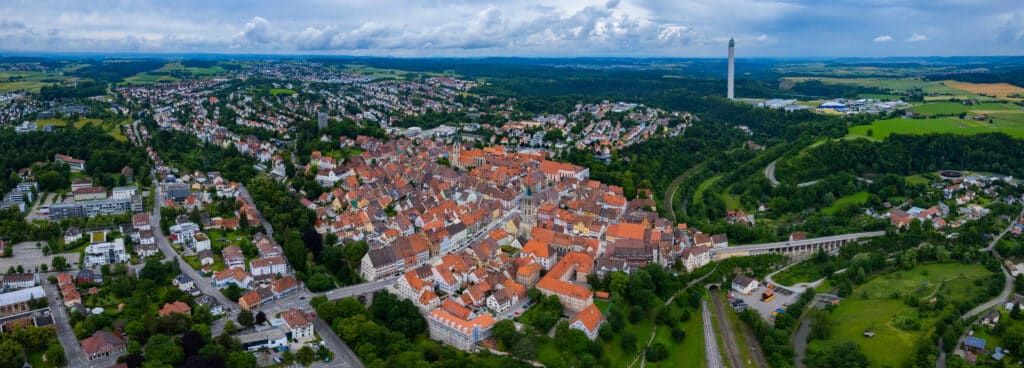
(1011, 124)
(873, 307)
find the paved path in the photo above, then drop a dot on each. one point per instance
(800, 341)
(714, 358)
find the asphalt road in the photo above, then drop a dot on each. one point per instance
(999, 300)
(769, 172)
(72, 349)
(714, 358)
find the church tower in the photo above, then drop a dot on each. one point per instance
(529, 218)
(453, 158)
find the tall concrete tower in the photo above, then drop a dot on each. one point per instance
(732, 67)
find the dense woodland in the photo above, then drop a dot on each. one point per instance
(906, 155)
(105, 156)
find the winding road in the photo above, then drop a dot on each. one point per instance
(769, 172)
(997, 301)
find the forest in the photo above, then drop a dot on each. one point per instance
(906, 155)
(105, 156)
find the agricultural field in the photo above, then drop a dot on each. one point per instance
(1009, 123)
(873, 307)
(1001, 90)
(114, 130)
(11, 81)
(899, 85)
(170, 73)
(942, 90)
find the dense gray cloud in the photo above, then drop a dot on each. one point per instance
(518, 27)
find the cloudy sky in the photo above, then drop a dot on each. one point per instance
(672, 28)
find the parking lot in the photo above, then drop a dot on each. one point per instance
(782, 297)
(30, 256)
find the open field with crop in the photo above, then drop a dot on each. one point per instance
(1009, 123)
(1001, 90)
(11, 81)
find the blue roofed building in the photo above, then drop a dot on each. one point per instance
(974, 343)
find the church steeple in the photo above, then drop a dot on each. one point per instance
(456, 149)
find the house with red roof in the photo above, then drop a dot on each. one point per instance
(589, 321)
(103, 344)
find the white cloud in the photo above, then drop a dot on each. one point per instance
(917, 37)
(681, 28)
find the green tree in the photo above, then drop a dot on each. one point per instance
(162, 349)
(241, 359)
(245, 318)
(306, 355)
(628, 342)
(229, 327)
(11, 354)
(55, 354)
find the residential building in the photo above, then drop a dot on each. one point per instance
(233, 257)
(695, 257)
(74, 163)
(459, 332)
(103, 344)
(60, 211)
(589, 321)
(105, 253)
(183, 282)
(176, 307)
(20, 281)
(573, 267)
(268, 266)
(26, 127)
(744, 285)
(298, 325)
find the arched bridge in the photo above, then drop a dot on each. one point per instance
(792, 248)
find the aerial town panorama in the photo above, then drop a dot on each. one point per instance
(335, 184)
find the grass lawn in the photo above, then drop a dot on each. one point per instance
(1007, 124)
(940, 108)
(698, 194)
(732, 202)
(689, 353)
(872, 307)
(613, 349)
(146, 78)
(917, 179)
(280, 91)
(114, 130)
(798, 273)
(855, 199)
